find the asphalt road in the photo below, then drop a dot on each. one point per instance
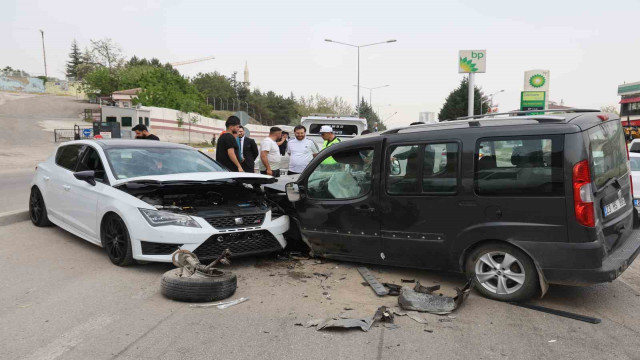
(61, 298)
(14, 189)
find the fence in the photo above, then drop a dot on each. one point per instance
(60, 135)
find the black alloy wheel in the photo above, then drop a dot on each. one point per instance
(116, 241)
(37, 209)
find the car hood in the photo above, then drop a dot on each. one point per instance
(200, 177)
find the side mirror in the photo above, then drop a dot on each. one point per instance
(395, 167)
(88, 175)
(293, 192)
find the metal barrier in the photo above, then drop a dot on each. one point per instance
(60, 135)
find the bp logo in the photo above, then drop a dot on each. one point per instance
(537, 81)
(467, 65)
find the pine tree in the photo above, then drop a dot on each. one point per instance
(74, 60)
(455, 105)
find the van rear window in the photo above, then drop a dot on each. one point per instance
(338, 129)
(608, 152)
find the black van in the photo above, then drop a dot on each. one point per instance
(516, 202)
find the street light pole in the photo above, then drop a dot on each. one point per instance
(371, 91)
(358, 47)
(490, 100)
(44, 55)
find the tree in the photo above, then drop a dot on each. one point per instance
(214, 86)
(610, 109)
(366, 111)
(107, 53)
(323, 105)
(75, 59)
(456, 104)
(87, 64)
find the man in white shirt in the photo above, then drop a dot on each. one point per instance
(270, 153)
(301, 150)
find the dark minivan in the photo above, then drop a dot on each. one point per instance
(515, 202)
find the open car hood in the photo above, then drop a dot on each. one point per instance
(195, 178)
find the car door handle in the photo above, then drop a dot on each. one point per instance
(366, 209)
(46, 178)
(66, 187)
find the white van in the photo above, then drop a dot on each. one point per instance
(345, 127)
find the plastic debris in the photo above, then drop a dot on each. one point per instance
(426, 302)
(373, 282)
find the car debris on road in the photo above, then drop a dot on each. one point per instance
(421, 299)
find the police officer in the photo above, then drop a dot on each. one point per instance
(330, 139)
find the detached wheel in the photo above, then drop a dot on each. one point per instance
(37, 209)
(198, 288)
(116, 241)
(502, 272)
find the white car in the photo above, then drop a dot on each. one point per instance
(144, 199)
(634, 161)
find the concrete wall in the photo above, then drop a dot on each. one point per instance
(164, 123)
(24, 84)
(69, 88)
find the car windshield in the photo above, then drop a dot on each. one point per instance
(134, 162)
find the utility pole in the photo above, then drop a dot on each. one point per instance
(44, 54)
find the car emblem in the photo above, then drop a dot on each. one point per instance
(239, 221)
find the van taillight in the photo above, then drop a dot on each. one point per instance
(582, 194)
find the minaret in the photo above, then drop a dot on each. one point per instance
(246, 75)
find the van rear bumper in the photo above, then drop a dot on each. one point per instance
(613, 264)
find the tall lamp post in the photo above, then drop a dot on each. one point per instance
(490, 100)
(358, 47)
(44, 55)
(371, 91)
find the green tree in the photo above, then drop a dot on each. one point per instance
(101, 81)
(107, 53)
(214, 86)
(87, 64)
(75, 59)
(456, 104)
(323, 105)
(366, 111)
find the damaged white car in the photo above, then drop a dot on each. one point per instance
(143, 200)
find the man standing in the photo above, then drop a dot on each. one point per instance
(282, 144)
(301, 150)
(329, 138)
(143, 133)
(248, 150)
(270, 153)
(227, 148)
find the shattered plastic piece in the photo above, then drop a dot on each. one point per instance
(444, 320)
(552, 341)
(383, 314)
(425, 302)
(566, 314)
(391, 326)
(373, 282)
(313, 322)
(408, 280)
(232, 303)
(428, 330)
(417, 318)
(215, 304)
(394, 290)
(425, 289)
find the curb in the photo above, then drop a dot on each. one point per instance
(12, 217)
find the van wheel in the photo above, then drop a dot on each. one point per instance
(502, 272)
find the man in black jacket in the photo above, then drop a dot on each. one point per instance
(248, 149)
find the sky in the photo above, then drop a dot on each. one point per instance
(589, 47)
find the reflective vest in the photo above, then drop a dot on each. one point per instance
(330, 160)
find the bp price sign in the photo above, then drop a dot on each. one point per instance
(472, 61)
(532, 100)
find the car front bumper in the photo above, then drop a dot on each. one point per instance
(267, 237)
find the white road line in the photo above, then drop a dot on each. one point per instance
(70, 339)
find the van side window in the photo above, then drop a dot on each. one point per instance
(519, 166)
(347, 176)
(67, 156)
(439, 169)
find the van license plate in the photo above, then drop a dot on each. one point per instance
(614, 206)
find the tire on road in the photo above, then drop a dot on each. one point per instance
(115, 239)
(502, 272)
(198, 288)
(37, 209)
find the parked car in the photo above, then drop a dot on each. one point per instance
(142, 200)
(516, 203)
(634, 164)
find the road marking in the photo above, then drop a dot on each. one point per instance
(70, 339)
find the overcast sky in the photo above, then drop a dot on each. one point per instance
(590, 46)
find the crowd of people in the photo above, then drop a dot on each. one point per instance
(238, 152)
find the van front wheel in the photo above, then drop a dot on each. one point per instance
(502, 272)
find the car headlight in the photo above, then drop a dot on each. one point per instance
(165, 218)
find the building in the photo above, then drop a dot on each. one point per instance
(246, 81)
(630, 103)
(124, 98)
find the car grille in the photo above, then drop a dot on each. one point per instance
(151, 248)
(239, 243)
(229, 222)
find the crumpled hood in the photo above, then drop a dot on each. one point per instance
(246, 178)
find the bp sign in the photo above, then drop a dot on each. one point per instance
(536, 80)
(532, 100)
(472, 61)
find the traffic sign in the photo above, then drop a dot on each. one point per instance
(86, 132)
